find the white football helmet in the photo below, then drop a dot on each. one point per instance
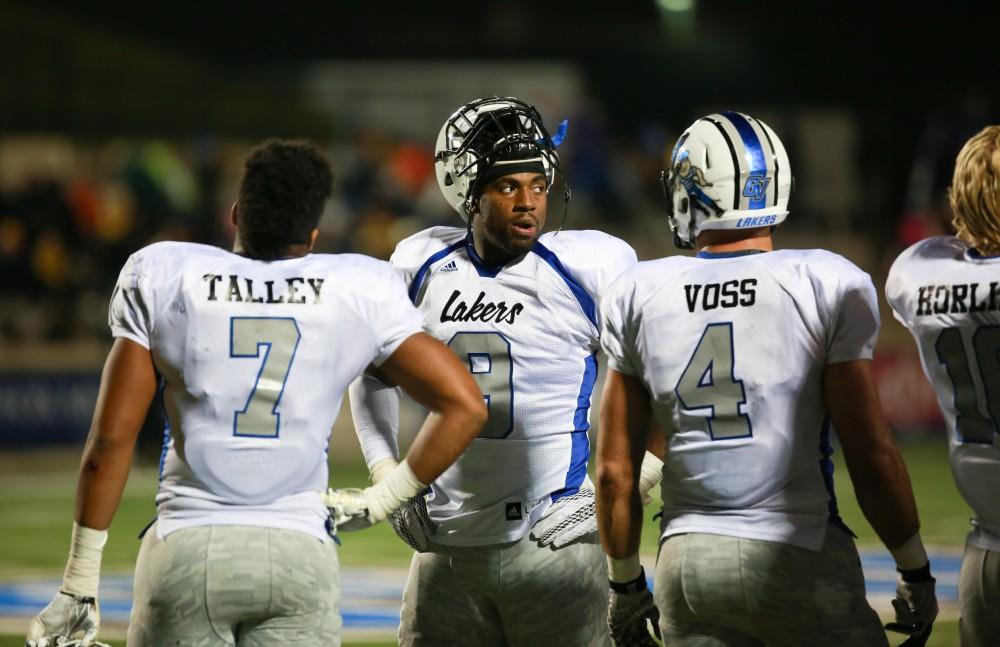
(492, 133)
(727, 171)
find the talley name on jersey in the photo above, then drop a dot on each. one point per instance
(291, 290)
(528, 333)
(255, 357)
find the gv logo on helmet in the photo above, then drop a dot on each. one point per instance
(756, 186)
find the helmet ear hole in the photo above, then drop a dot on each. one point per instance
(448, 181)
(684, 205)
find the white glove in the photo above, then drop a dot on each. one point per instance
(915, 604)
(413, 524)
(568, 519)
(650, 475)
(67, 616)
(348, 508)
(354, 509)
(630, 607)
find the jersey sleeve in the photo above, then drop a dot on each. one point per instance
(854, 314)
(901, 283)
(595, 259)
(413, 255)
(388, 312)
(130, 313)
(619, 328)
(375, 412)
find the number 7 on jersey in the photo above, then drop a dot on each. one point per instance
(279, 337)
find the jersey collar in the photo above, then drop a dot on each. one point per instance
(742, 252)
(973, 255)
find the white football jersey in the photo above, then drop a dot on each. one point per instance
(529, 335)
(732, 350)
(254, 358)
(949, 298)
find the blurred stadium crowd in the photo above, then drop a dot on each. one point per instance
(71, 212)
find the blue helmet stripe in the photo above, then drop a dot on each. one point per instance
(754, 153)
(774, 158)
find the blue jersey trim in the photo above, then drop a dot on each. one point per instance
(580, 422)
(421, 274)
(754, 154)
(579, 454)
(482, 268)
(826, 469)
(742, 252)
(166, 427)
(586, 301)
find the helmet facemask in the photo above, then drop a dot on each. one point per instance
(487, 139)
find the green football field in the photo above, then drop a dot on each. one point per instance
(36, 507)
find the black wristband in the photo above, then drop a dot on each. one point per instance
(82, 599)
(638, 585)
(916, 575)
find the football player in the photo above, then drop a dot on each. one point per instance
(252, 351)
(946, 290)
(745, 356)
(506, 538)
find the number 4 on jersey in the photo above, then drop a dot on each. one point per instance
(709, 382)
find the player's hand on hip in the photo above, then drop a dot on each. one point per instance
(630, 612)
(567, 520)
(349, 508)
(413, 524)
(915, 604)
(65, 618)
(354, 509)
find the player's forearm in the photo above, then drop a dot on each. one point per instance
(619, 509)
(882, 487)
(621, 445)
(375, 411)
(443, 437)
(103, 474)
(128, 384)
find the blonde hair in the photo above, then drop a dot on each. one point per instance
(975, 192)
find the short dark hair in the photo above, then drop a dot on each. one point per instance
(284, 188)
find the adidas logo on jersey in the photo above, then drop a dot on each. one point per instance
(450, 267)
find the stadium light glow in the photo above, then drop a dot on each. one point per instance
(676, 5)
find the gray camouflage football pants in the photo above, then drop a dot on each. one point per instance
(979, 597)
(515, 594)
(719, 591)
(235, 585)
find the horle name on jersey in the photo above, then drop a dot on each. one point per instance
(457, 309)
(294, 290)
(731, 294)
(958, 298)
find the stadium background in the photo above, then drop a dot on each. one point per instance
(121, 125)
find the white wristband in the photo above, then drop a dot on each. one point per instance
(83, 568)
(381, 469)
(393, 490)
(625, 569)
(649, 475)
(910, 555)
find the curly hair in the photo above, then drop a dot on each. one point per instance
(975, 192)
(284, 188)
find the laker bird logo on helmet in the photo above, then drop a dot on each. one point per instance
(728, 170)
